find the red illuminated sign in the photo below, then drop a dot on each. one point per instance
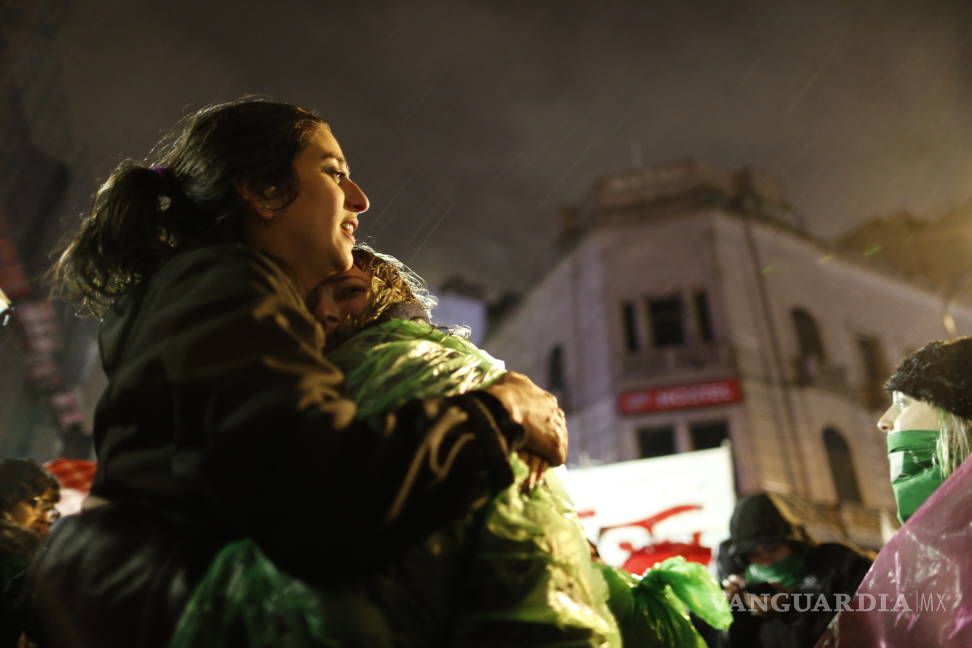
(675, 397)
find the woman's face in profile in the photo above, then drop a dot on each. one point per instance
(314, 233)
(907, 413)
(342, 297)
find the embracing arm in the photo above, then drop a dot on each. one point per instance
(261, 430)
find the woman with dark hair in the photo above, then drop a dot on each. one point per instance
(221, 416)
(28, 495)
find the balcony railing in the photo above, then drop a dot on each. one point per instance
(677, 357)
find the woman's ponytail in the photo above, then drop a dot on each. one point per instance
(122, 239)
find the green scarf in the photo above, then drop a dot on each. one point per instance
(914, 472)
(786, 572)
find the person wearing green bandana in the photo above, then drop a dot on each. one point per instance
(782, 587)
(924, 572)
(927, 424)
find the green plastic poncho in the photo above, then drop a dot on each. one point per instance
(652, 610)
(516, 574)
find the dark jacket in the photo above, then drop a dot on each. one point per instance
(829, 570)
(222, 420)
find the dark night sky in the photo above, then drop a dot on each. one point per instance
(471, 123)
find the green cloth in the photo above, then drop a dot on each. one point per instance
(652, 610)
(530, 581)
(391, 363)
(915, 475)
(786, 572)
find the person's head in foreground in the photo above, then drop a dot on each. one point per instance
(928, 427)
(266, 174)
(764, 544)
(376, 286)
(28, 496)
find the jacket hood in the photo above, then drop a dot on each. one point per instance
(757, 520)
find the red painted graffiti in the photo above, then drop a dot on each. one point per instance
(641, 558)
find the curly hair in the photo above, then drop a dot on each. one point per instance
(392, 282)
(394, 287)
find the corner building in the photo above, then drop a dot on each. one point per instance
(688, 305)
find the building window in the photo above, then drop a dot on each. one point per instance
(707, 435)
(875, 371)
(629, 320)
(808, 335)
(841, 466)
(666, 321)
(703, 316)
(555, 368)
(656, 441)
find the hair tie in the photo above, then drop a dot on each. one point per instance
(165, 199)
(162, 172)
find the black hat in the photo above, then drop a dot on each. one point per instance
(939, 373)
(756, 520)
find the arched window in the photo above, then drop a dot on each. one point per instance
(841, 466)
(808, 335)
(555, 369)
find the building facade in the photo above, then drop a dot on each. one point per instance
(46, 181)
(688, 306)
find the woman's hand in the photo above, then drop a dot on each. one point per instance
(536, 410)
(536, 467)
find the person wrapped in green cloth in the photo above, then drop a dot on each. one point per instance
(516, 572)
(377, 312)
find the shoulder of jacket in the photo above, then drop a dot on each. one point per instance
(226, 259)
(225, 253)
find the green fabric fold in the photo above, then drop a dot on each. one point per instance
(652, 610)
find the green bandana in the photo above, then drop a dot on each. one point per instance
(914, 473)
(785, 572)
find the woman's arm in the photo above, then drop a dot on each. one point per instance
(222, 362)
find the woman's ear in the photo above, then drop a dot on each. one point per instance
(261, 200)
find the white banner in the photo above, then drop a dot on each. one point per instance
(642, 512)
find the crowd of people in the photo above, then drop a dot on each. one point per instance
(257, 354)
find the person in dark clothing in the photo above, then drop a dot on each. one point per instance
(221, 414)
(783, 589)
(28, 495)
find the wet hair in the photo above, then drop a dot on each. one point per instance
(396, 291)
(954, 441)
(392, 282)
(185, 196)
(21, 481)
